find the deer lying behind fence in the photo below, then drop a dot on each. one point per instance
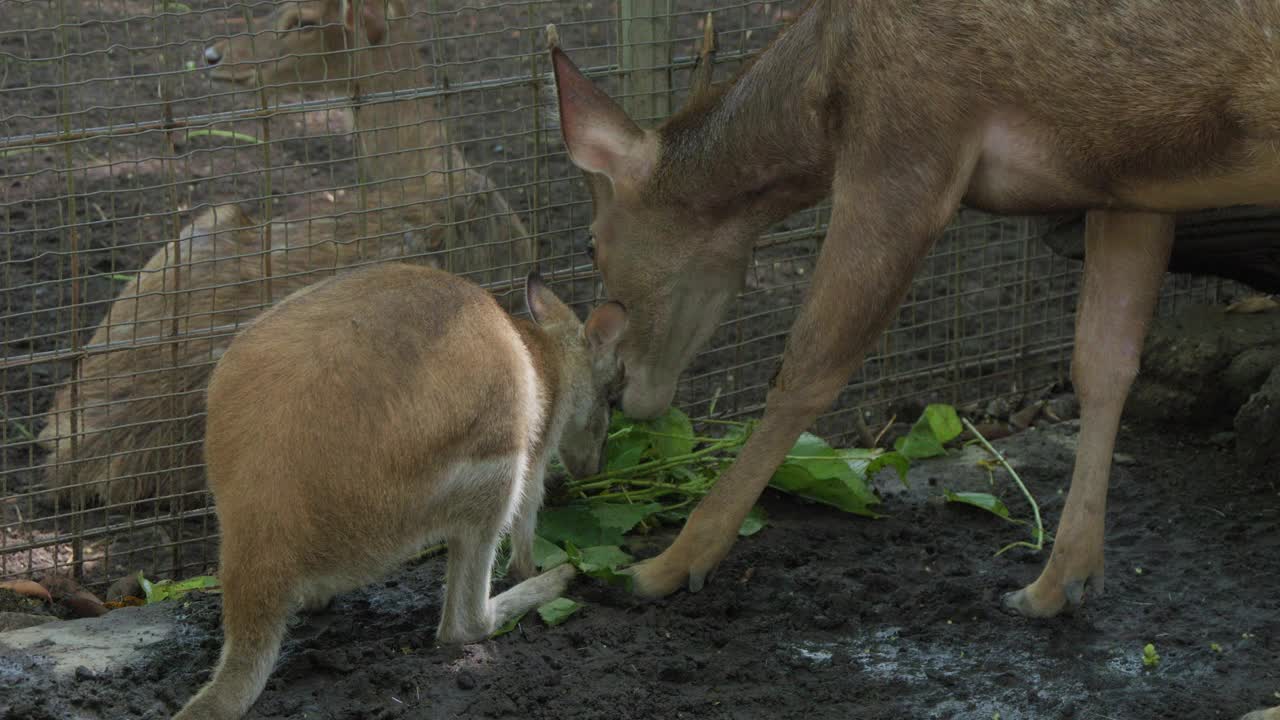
(139, 419)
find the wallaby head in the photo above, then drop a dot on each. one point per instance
(590, 372)
(671, 232)
(308, 44)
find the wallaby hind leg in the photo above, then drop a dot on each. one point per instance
(469, 613)
(253, 622)
(522, 566)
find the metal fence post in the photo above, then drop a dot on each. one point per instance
(642, 59)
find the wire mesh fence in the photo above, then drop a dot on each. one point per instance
(152, 205)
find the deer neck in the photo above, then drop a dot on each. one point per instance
(760, 144)
(398, 138)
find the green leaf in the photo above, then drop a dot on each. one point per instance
(577, 524)
(614, 577)
(673, 434)
(937, 426)
(508, 626)
(558, 610)
(1150, 658)
(626, 451)
(621, 517)
(602, 556)
(814, 470)
(146, 586)
(985, 501)
(754, 522)
(893, 460)
(944, 421)
(587, 561)
(170, 589)
(547, 554)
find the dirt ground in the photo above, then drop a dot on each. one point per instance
(821, 615)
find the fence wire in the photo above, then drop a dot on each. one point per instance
(150, 209)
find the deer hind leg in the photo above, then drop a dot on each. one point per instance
(1125, 258)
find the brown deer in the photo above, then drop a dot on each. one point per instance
(436, 420)
(1131, 110)
(139, 414)
(404, 154)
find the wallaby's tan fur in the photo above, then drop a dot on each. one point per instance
(1128, 109)
(374, 412)
(141, 411)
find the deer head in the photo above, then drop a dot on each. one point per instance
(676, 211)
(305, 42)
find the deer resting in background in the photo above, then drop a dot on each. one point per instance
(1131, 110)
(460, 407)
(141, 411)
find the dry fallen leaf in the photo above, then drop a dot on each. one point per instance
(1253, 304)
(27, 588)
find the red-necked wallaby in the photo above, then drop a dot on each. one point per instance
(1131, 110)
(371, 413)
(140, 411)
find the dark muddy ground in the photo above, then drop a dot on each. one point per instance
(820, 616)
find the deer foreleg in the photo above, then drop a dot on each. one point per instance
(1125, 258)
(882, 225)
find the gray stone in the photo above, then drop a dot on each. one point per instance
(1199, 365)
(92, 645)
(1258, 425)
(19, 620)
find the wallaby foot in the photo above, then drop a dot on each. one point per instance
(1272, 714)
(536, 591)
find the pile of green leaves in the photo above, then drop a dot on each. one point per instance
(657, 470)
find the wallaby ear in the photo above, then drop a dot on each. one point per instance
(597, 132)
(543, 304)
(605, 325)
(373, 15)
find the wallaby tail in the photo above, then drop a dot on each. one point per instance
(254, 626)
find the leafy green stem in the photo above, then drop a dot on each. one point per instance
(1038, 545)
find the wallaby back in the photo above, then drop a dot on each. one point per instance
(371, 413)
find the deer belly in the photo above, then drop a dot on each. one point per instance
(1019, 172)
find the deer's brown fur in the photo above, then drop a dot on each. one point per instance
(141, 410)
(1129, 109)
(436, 420)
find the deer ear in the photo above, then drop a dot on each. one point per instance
(597, 132)
(373, 15)
(543, 304)
(605, 325)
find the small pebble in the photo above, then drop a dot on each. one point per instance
(466, 681)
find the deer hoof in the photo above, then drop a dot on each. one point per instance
(1035, 602)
